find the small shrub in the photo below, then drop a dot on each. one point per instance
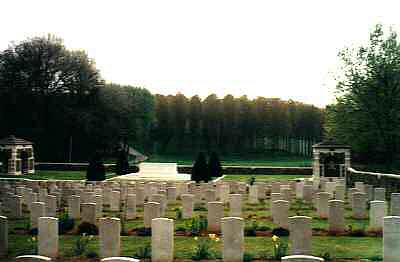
(180, 228)
(81, 244)
(33, 245)
(65, 225)
(247, 257)
(203, 247)
(143, 232)
(178, 212)
(251, 181)
(143, 252)
(263, 228)
(88, 229)
(280, 232)
(33, 232)
(92, 254)
(197, 225)
(199, 207)
(280, 248)
(251, 230)
(326, 256)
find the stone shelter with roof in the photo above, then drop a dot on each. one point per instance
(16, 156)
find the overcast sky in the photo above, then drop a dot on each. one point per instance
(281, 48)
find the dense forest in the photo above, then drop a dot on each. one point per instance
(57, 98)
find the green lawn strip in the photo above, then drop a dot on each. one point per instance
(56, 175)
(261, 178)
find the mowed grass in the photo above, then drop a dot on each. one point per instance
(57, 175)
(261, 178)
(275, 159)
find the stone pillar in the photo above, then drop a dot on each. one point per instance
(51, 206)
(281, 213)
(253, 194)
(276, 187)
(262, 194)
(98, 199)
(224, 193)
(89, 213)
(48, 237)
(151, 210)
(274, 197)
(369, 190)
(130, 212)
(43, 195)
(187, 205)
(391, 239)
(336, 216)
(360, 186)
(359, 205)
(300, 235)
(322, 204)
(210, 195)
(74, 207)
(395, 204)
(330, 187)
(380, 194)
(38, 210)
(171, 194)
(308, 193)
(376, 214)
(235, 205)
(115, 200)
(286, 193)
(299, 190)
(162, 199)
(233, 239)
(16, 207)
(3, 236)
(109, 236)
(214, 215)
(301, 258)
(340, 192)
(139, 196)
(162, 240)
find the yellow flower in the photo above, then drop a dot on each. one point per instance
(196, 238)
(216, 239)
(212, 236)
(275, 238)
(33, 238)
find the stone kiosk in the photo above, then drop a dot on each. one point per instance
(331, 159)
(16, 156)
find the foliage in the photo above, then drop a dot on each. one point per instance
(87, 229)
(65, 225)
(81, 244)
(200, 169)
(178, 212)
(203, 247)
(92, 254)
(280, 248)
(247, 257)
(280, 232)
(197, 225)
(122, 165)
(214, 166)
(143, 252)
(143, 232)
(251, 180)
(251, 229)
(365, 114)
(199, 207)
(33, 245)
(96, 170)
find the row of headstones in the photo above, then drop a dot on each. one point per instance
(162, 239)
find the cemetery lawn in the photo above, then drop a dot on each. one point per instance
(261, 178)
(58, 175)
(276, 159)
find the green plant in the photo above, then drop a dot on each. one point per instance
(251, 229)
(279, 248)
(247, 257)
(199, 207)
(280, 232)
(81, 244)
(143, 232)
(143, 251)
(92, 254)
(197, 225)
(178, 212)
(251, 180)
(203, 247)
(33, 245)
(87, 229)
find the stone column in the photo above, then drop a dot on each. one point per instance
(369, 190)
(74, 207)
(187, 205)
(214, 215)
(274, 197)
(281, 213)
(16, 207)
(38, 210)
(109, 236)
(336, 215)
(51, 206)
(376, 214)
(210, 195)
(130, 212)
(301, 258)
(48, 237)
(98, 199)
(89, 213)
(359, 205)
(235, 205)
(380, 194)
(115, 200)
(300, 235)
(253, 194)
(308, 193)
(391, 239)
(151, 210)
(43, 195)
(322, 204)
(3, 236)
(276, 187)
(233, 239)
(162, 240)
(299, 190)
(162, 199)
(171, 194)
(139, 196)
(224, 193)
(395, 204)
(340, 192)
(286, 193)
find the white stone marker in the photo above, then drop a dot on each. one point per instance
(300, 235)
(51, 206)
(308, 193)
(360, 186)
(214, 215)
(281, 213)
(74, 207)
(140, 196)
(224, 193)
(395, 204)
(32, 258)
(130, 210)
(210, 195)
(322, 204)
(109, 235)
(151, 210)
(274, 197)
(162, 199)
(299, 190)
(302, 258)
(115, 200)
(380, 194)
(253, 194)
(38, 210)
(391, 238)
(187, 205)
(89, 213)
(162, 240)
(336, 215)
(48, 237)
(3, 236)
(16, 207)
(171, 194)
(359, 205)
(233, 239)
(119, 259)
(235, 205)
(376, 214)
(98, 199)
(340, 192)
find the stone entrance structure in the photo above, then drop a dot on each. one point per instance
(331, 159)
(16, 156)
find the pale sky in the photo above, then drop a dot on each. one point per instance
(281, 48)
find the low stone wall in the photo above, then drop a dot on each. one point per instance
(261, 170)
(389, 181)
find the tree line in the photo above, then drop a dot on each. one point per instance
(57, 98)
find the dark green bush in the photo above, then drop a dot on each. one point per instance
(200, 169)
(280, 232)
(143, 232)
(86, 228)
(96, 170)
(65, 225)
